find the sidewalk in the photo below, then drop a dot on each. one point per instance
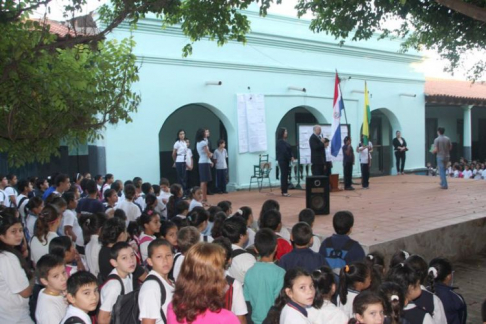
(470, 277)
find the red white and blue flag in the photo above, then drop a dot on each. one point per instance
(338, 107)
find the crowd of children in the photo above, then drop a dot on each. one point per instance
(143, 254)
(462, 169)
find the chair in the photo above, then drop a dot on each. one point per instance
(262, 172)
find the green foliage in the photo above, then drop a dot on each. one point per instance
(49, 95)
(424, 24)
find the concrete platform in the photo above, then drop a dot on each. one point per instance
(398, 212)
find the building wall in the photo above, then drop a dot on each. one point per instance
(280, 52)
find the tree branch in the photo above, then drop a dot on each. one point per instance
(467, 9)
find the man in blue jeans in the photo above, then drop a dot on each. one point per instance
(442, 147)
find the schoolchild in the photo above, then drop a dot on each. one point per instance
(393, 302)
(92, 226)
(221, 157)
(63, 247)
(25, 188)
(83, 297)
(70, 224)
(272, 219)
(247, 215)
(45, 230)
(150, 225)
(168, 231)
(34, 208)
(187, 237)
(198, 218)
(196, 195)
(353, 279)
(132, 211)
(368, 309)
(177, 193)
(376, 262)
(164, 190)
(308, 216)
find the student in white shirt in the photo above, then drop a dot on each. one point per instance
(234, 228)
(353, 279)
(3, 184)
(187, 237)
(109, 179)
(365, 161)
(199, 219)
(45, 230)
(70, 224)
(51, 306)
(122, 258)
(196, 195)
(15, 277)
(151, 226)
(161, 259)
(179, 157)
(10, 192)
(296, 296)
(24, 187)
(92, 225)
(128, 206)
(34, 208)
(368, 308)
(164, 190)
(467, 173)
(83, 296)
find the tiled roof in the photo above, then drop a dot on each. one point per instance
(455, 92)
(83, 26)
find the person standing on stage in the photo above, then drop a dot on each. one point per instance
(318, 155)
(284, 157)
(348, 162)
(205, 163)
(328, 157)
(442, 146)
(365, 162)
(400, 147)
(179, 156)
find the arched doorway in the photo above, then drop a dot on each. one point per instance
(382, 126)
(190, 117)
(291, 120)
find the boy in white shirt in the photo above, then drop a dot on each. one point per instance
(24, 187)
(83, 297)
(151, 300)
(51, 306)
(467, 173)
(308, 216)
(164, 190)
(120, 281)
(10, 192)
(132, 211)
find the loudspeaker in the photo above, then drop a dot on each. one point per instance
(317, 194)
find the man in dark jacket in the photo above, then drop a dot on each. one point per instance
(318, 154)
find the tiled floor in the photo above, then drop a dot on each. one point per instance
(394, 206)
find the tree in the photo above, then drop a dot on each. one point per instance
(452, 27)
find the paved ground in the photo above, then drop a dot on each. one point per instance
(470, 277)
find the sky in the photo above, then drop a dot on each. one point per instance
(432, 65)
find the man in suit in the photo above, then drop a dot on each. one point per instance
(318, 154)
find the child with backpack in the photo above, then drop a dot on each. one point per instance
(187, 237)
(51, 306)
(119, 281)
(353, 279)
(234, 300)
(302, 256)
(168, 231)
(157, 290)
(24, 187)
(234, 228)
(339, 249)
(441, 281)
(150, 223)
(324, 311)
(265, 279)
(83, 297)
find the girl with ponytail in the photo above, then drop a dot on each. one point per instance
(393, 302)
(92, 225)
(296, 296)
(150, 225)
(441, 278)
(325, 311)
(353, 279)
(368, 309)
(15, 276)
(45, 230)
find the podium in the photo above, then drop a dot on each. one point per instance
(334, 182)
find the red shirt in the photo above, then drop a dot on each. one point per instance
(283, 247)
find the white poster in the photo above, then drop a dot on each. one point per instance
(305, 132)
(252, 128)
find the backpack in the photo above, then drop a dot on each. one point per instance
(74, 320)
(228, 296)
(20, 206)
(126, 310)
(336, 257)
(237, 252)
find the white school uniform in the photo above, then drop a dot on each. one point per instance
(290, 315)
(144, 243)
(238, 306)
(112, 289)
(284, 233)
(467, 174)
(348, 307)
(69, 218)
(194, 203)
(150, 297)
(251, 236)
(131, 210)
(13, 280)
(31, 219)
(164, 196)
(38, 248)
(50, 309)
(478, 174)
(141, 202)
(439, 315)
(21, 208)
(92, 252)
(316, 245)
(74, 311)
(10, 191)
(327, 314)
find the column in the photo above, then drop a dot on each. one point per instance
(467, 132)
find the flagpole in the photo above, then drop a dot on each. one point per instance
(345, 117)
